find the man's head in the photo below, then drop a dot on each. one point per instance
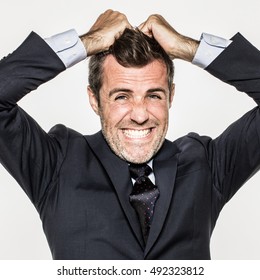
(131, 89)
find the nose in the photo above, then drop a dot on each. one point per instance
(139, 113)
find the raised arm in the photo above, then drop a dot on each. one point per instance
(27, 152)
(234, 156)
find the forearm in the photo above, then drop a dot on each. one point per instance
(32, 64)
(184, 48)
(238, 66)
(234, 61)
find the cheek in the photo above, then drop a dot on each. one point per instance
(115, 113)
(159, 111)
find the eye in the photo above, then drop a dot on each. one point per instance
(155, 96)
(121, 97)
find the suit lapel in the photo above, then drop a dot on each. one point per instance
(118, 173)
(164, 167)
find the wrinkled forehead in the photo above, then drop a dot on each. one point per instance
(112, 68)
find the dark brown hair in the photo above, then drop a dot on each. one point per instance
(132, 49)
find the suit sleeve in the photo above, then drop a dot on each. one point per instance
(26, 151)
(235, 155)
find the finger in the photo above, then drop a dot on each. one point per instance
(128, 25)
(145, 29)
(140, 26)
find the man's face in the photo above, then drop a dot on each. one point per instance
(134, 109)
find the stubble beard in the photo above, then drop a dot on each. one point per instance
(132, 154)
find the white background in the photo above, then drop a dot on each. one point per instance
(202, 104)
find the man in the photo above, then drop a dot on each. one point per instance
(89, 190)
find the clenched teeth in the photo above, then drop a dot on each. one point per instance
(132, 133)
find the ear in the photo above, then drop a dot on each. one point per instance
(172, 95)
(93, 101)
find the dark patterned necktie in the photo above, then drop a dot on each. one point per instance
(143, 196)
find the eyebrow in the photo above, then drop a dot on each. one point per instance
(156, 90)
(151, 90)
(116, 90)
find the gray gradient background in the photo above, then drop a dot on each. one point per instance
(64, 100)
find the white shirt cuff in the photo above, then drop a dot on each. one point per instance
(68, 47)
(209, 49)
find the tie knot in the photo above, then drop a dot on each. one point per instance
(139, 170)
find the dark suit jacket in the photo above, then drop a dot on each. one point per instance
(81, 189)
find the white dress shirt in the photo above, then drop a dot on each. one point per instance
(71, 50)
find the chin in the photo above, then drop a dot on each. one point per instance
(137, 153)
(137, 159)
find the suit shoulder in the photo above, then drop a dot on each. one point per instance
(62, 131)
(194, 151)
(64, 135)
(192, 139)
(68, 142)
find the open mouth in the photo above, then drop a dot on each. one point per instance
(137, 134)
